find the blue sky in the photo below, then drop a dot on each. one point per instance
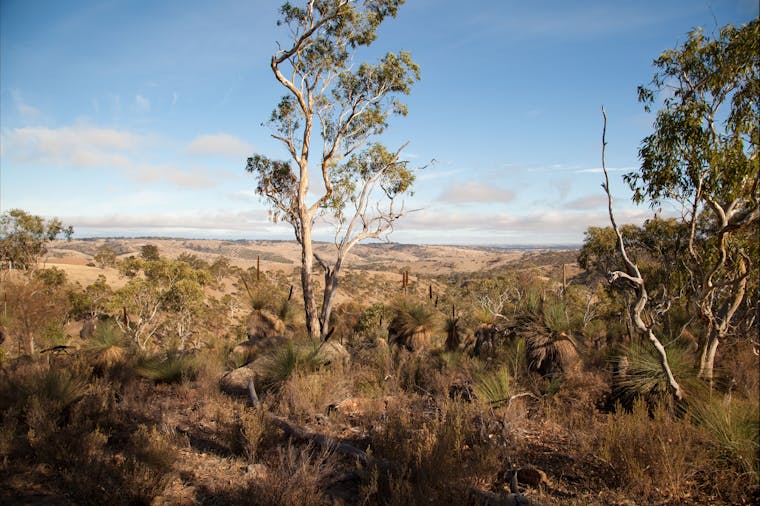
(135, 117)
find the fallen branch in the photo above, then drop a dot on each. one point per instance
(327, 442)
(486, 498)
(516, 396)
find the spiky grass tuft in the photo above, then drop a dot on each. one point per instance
(413, 323)
(493, 386)
(284, 361)
(638, 374)
(732, 427)
(169, 367)
(108, 346)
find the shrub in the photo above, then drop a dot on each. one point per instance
(654, 457)
(638, 374)
(732, 430)
(413, 324)
(169, 367)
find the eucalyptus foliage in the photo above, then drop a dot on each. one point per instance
(703, 155)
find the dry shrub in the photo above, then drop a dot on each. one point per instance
(295, 478)
(439, 454)
(262, 324)
(305, 393)
(655, 456)
(59, 421)
(420, 373)
(256, 430)
(372, 364)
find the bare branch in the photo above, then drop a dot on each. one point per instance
(633, 276)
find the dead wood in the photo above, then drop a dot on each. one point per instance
(327, 442)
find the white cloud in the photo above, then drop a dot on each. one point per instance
(192, 178)
(537, 225)
(76, 146)
(473, 191)
(219, 221)
(83, 147)
(142, 104)
(29, 114)
(220, 144)
(587, 202)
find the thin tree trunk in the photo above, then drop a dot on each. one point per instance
(307, 264)
(707, 359)
(331, 288)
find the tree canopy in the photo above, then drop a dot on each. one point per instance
(24, 237)
(703, 155)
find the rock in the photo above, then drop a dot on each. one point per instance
(236, 381)
(262, 324)
(333, 353)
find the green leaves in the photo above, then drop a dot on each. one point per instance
(24, 236)
(697, 145)
(346, 105)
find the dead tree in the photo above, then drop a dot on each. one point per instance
(632, 279)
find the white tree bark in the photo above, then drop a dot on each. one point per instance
(634, 279)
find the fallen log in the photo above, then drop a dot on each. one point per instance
(327, 442)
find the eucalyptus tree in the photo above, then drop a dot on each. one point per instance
(703, 155)
(24, 237)
(329, 98)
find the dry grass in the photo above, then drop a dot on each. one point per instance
(654, 457)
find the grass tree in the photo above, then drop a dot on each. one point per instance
(346, 107)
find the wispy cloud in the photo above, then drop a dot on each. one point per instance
(598, 170)
(203, 222)
(220, 144)
(29, 114)
(192, 178)
(537, 223)
(85, 147)
(76, 146)
(473, 191)
(142, 104)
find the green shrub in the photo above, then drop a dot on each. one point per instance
(169, 367)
